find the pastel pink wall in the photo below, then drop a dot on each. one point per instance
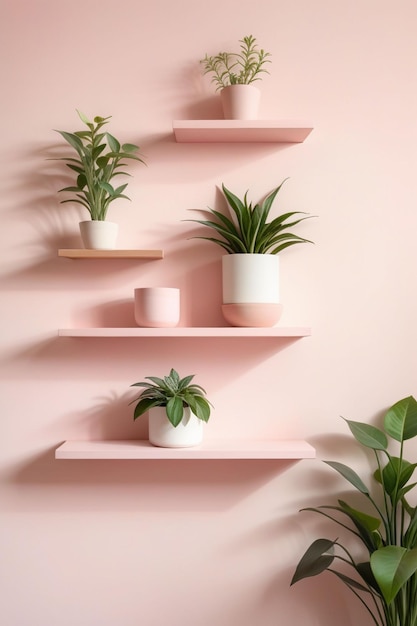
(128, 543)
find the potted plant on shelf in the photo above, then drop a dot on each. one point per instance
(250, 269)
(384, 576)
(177, 410)
(234, 73)
(100, 157)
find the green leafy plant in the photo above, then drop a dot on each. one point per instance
(237, 68)
(385, 581)
(249, 231)
(174, 393)
(100, 157)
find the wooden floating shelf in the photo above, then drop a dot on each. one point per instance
(110, 254)
(210, 450)
(240, 131)
(178, 331)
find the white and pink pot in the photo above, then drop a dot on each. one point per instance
(250, 284)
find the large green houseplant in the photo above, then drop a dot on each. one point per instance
(177, 409)
(248, 230)
(234, 73)
(250, 269)
(99, 158)
(384, 576)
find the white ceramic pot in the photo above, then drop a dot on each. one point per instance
(240, 102)
(250, 278)
(163, 434)
(157, 307)
(99, 234)
(250, 284)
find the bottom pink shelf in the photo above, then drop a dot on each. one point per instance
(214, 449)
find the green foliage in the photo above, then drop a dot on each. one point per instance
(386, 581)
(99, 159)
(237, 68)
(249, 230)
(174, 393)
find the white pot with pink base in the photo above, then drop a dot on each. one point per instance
(250, 285)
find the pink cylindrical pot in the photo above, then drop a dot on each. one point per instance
(157, 307)
(240, 102)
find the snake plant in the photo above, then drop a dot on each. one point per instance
(383, 577)
(249, 230)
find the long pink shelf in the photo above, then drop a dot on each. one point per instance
(209, 450)
(179, 331)
(241, 131)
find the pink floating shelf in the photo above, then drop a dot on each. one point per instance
(241, 131)
(83, 253)
(178, 331)
(210, 450)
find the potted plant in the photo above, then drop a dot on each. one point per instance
(250, 269)
(100, 157)
(234, 73)
(177, 410)
(383, 576)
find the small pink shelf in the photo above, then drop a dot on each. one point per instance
(210, 450)
(84, 253)
(240, 131)
(178, 331)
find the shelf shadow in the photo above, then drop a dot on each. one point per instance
(186, 485)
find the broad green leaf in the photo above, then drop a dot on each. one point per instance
(202, 408)
(73, 140)
(396, 474)
(129, 147)
(317, 558)
(113, 143)
(83, 117)
(157, 381)
(368, 521)
(350, 475)
(101, 120)
(174, 375)
(175, 410)
(400, 421)
(81, 181)
(120, 189)
(184, 382)
(392, 567)
(365, 524)
(368, 435)
(143, 406)
(107, 187)
(102, 162)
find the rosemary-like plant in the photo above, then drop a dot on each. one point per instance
(237, 68)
